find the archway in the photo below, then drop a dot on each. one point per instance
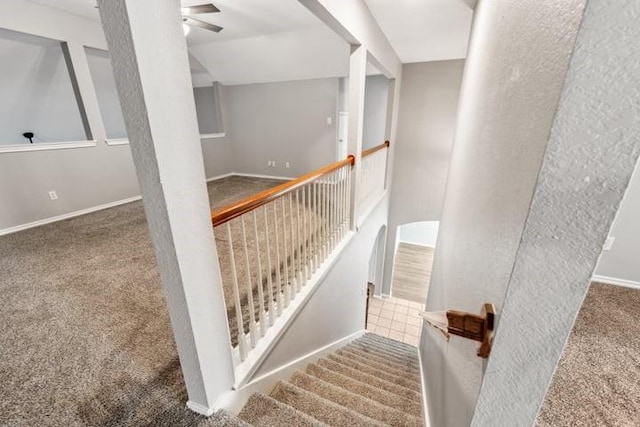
(413, 258)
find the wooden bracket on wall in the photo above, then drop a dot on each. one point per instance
(467, 325)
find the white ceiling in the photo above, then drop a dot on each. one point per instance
(278, 40)
(425, 30)
(240, 18)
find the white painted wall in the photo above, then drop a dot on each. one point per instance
(514, 74)
(620, 264)
(36, 94)
(376, 93)
(422, 233)
(426, 124)
(84, 177)
(284, 122)
(105, 85)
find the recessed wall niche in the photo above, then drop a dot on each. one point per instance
(36, 92)
(106, 92)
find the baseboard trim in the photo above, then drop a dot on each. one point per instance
(224, 175)
(254, 175)
(62, 217)
(616, 281)
(423, 387)
(200, 409)
(92, 209)
(236, 399)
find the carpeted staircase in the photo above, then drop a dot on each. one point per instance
(374, 381)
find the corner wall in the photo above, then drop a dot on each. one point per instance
(426, 124)
(518, 57)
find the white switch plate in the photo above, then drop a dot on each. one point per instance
(286, 164)
(608, 243)
(53, 195)
(329, 120)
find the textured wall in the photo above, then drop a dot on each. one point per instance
(592, 151)
(518, 57)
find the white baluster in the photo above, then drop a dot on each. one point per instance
(252, 309)
(272, 313)
(278, 264)
(242, 339)
(260, 280)
(287, 283)
(295, 284)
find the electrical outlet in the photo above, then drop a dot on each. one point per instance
(273, 163)
(608, 243)
(268, 163)
(286, 164)
(53, 195)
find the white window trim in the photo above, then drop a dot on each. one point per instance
(44, 146)
(125, 141)
(212, 135)
(117, 141)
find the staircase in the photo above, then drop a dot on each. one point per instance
(373, 381)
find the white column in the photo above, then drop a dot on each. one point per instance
(357, 79)
(149, 58)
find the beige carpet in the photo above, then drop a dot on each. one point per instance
(85, 337)
(372, 382)
(597, 382)
(412, 272)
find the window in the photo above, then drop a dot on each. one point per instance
(38, 102)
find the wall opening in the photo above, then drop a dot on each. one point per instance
(413, 259)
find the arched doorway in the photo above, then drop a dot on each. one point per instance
(413, 259)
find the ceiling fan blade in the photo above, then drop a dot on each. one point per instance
(202, 8)
(202, 24)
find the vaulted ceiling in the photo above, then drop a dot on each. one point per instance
(280, 40)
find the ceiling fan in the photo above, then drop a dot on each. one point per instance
(189, 20)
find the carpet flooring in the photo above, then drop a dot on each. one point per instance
(597, 382)
(412, 272)
(373, 381)
(85, 337)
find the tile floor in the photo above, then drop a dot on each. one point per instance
(395, 318)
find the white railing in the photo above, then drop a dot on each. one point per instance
(371, 182)
(270, 244)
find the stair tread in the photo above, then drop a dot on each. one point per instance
(384, 351)
(390, 344)
(409, 383)
(361, 388)
(370, 379)
(320, 408)
(387, 365)
(353, 401)
(371, 353)
(265, 411)
(223, 418)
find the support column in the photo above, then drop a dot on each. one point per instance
(149, 58)
(357, 80)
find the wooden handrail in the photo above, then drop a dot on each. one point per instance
(370, 151)
(227, 213)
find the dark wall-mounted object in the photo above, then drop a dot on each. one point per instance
(478, 328)
(29, 136)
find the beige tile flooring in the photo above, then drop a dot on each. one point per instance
(395, 318)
